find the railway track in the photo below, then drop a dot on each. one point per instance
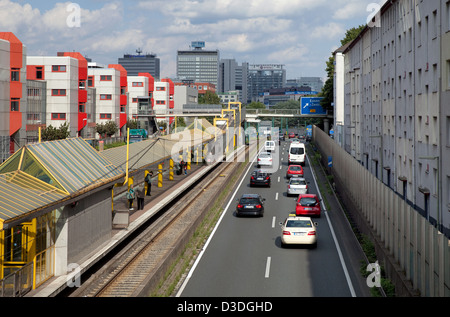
(138, 267)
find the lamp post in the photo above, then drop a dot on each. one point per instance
(437, 187)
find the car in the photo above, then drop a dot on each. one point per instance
(294, 171)
(260, 177)
(269, 146)
(297, 153)
(297, 186)
(264, 159)
(308, 205)
(282, 136)
(298, 230)
(250, 205)
(291, 135)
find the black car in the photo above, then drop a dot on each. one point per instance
(250, 205)
(260, 178)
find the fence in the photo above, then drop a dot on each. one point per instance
(417, 249)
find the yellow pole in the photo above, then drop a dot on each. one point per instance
(128, 155)
(39, 134)
(171, 170)
(188, 159)
(160, 176)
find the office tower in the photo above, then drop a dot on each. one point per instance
(198, 65)
(233, 77)
(135, 64)
(264, 76)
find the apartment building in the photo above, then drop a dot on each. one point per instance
(394, 114)
(13, 100)
(139, 86)
(66, 76)
(164, 99)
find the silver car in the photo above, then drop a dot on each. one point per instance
(264, 159)
(297, 186)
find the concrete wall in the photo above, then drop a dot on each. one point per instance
(82, 228)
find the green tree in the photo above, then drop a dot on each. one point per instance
(256, 105)
(106, 129)
(51, 133)
(209, 98)
(132, 124)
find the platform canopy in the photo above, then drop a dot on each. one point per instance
(41, 174)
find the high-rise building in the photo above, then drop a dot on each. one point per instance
(198, 65)
(135, 64)
(233, 77)
(264, 76)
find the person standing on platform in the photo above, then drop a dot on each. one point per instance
(140, 194)
(183, 166)
(148, 180)
(130, 196)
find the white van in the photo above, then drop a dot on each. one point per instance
(269, 146)
(297, 153)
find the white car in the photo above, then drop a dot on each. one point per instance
(298, 230)
(269, 146)
(264, 159)
(297, 186)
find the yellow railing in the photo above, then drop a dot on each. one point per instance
(43, 266)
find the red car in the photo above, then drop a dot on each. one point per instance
(308, 205)
(291, 135)
(294, 170)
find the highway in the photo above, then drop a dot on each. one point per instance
(244, 257)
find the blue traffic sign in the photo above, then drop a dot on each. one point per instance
(311, 106)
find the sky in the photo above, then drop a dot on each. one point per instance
(300, 34)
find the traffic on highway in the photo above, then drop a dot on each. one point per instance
(279, 245)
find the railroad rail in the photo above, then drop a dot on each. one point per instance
(138, 267)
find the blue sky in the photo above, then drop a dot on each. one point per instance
(301, 34)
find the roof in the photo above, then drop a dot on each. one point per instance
(41, 174)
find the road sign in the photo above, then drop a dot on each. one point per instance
(311, 106)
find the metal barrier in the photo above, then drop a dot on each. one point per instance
(43, 266)
(17, 284)
(417, 247)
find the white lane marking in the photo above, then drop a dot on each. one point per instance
(338, 248)
(180, 291)
(276, 196)
(278, 179)
(273, 221)
(268, 267)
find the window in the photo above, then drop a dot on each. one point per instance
(135, 100)
(59, 68)
(138, 84)
(58, 116)
(91, 81)
(82, 107)
(123, 109)
(15, 104)
(15, 74)
(105, 78)
(160, 102)
(105, 97)
(160, 88)
(58, 92)
(39, 72)
(105, 116)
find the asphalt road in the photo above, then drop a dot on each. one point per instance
(244, 257)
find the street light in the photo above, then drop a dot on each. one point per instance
(438, 185)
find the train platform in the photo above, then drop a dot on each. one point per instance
(160, 197)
